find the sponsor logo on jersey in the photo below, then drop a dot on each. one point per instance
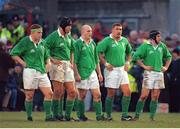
(32, 51)
(150, 52)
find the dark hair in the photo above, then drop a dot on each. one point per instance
(116, 24)
(35, 26)
(176, 50)
(153, 33)
(64, 22)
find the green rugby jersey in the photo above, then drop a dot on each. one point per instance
(152, 56)
(34, 55)
(85, 57)
(60, 47)
(115, 52)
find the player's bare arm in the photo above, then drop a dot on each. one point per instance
(107, 65)
(148, 68)
(166, 66)
(98, 70)
(19, 60)
(126, 66)
(76, 73)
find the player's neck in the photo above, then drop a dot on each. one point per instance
(36, 41)
(62, 32)
(86, 40)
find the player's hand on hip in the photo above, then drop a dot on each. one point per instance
(55, 61)
(163, 69)
(24, 64)
(78, 78)
(126, 67)
(100, 77)
(109, 67)
(48, 67)
(148, 68)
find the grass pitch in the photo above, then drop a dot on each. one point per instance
(18, 120)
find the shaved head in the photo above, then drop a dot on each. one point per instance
(85, 28)
(86, 32)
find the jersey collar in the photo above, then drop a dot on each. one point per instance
(59, 33)
(33, 41)
(84, 41)
(114, 39)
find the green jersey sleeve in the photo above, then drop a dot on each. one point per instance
(102, 46)
(166, 53)
(96, 54)
(19, 48)
(140, 53)
(76, 51)
(128, 48)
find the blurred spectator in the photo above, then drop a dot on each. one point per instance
(45, 28)
(133, 39)
(174, 84)
(18, 31)
(75, 31)
(8, 31)
(175, 38)
(126, 30)
(3, 37)
(6, 62)
(37, 20)
(169, 43)
(20, 90)
(99, 31)
(143, 36)
(12, 86)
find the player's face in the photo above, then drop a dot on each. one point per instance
(68, 29)
(117, 31)
(88, 33)
(158, 37)
(37, 35)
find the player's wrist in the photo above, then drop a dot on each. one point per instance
(106, 64)
(127, 63)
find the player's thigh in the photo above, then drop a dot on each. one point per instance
(144, 93)
(111, 92)
(47, 92)
(70, 87)
(96, 94)
(125, 89)
(155, 94)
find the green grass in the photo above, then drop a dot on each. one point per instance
(18, 120)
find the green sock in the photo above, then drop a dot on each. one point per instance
(125, 105)
(69, 107)
(61, 105)
(55, 107)
(76, 104)
(28, 107)
(153, 107)
(108, 106)
(47, 108)
(81, 108)
(139, 108)
(98, 108)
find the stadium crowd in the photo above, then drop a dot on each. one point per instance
(12, 95)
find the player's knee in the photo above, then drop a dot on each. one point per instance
(72, 94)
(29, 97)
(49, 95)
(58, 94)
(143, 97)
(127, 93)
(97, 97)
(155, 97)
(82, 96)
